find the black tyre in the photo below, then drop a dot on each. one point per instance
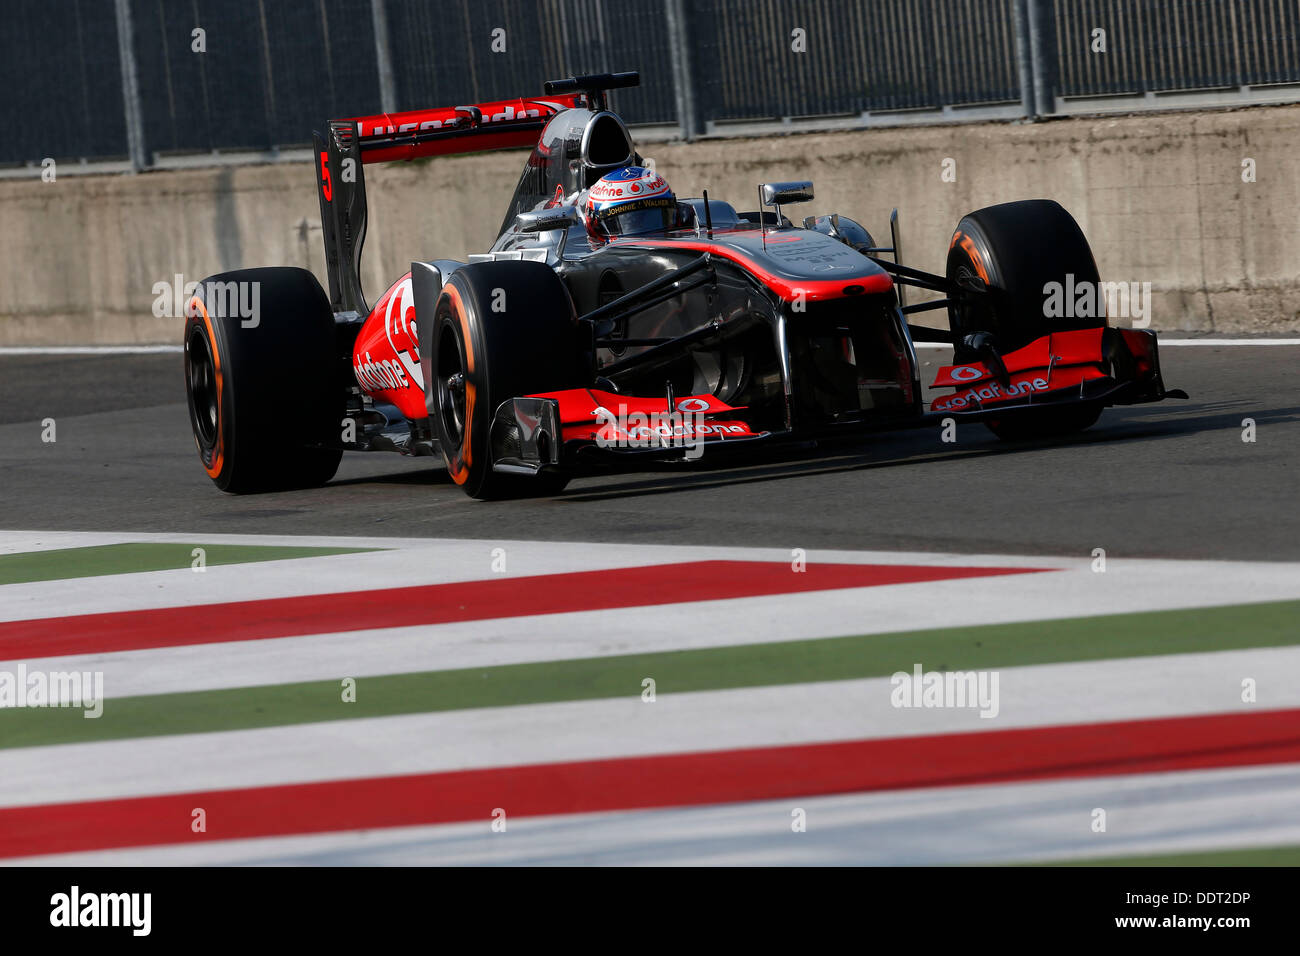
(1017, 248)
(262, 377)
(501, 330)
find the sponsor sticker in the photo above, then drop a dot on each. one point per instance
(990, 392)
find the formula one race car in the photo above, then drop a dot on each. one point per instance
(611, 321)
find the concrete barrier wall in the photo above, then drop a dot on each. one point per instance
(1160, 196)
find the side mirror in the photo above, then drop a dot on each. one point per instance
(546, 220)
(780, 194)
(777, 194)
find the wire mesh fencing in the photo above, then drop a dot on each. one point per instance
(147, 80)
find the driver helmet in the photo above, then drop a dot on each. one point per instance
(632, 201)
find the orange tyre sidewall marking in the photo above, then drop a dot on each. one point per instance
(968, 246)
(459, 467)
(219, 449)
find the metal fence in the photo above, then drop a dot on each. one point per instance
(1152, 47)
(853, 57)
(151, 81)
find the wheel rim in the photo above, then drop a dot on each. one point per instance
(202, 381)
(451, 384)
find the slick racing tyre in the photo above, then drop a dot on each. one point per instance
(1017, 249)
(262, 377)
(501, 330)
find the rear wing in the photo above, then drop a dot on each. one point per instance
(349, 144)
(505, 124)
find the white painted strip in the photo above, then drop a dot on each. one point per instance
(37, 540)
(1164, 342)
(20, 539)
(1147, 814)
(1090, 692)
(1213, 342)
(1127, 586)
(89, 349)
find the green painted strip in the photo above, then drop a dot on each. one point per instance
(716, 668)
(28, 566)
(1256, 856)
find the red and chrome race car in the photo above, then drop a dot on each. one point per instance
(559, 347)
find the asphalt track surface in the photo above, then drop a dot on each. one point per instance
(1172, 479)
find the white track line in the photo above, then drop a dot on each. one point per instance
(1042, 695)
(1163, 342)
(90, 349)
(474, 549)
(1147, 814)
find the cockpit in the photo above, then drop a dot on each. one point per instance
(575, 149)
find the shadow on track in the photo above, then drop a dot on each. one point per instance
(884, 449)
(829, 459)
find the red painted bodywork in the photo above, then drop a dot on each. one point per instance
(1080, 347)
(1059, 360)
(386, 357)
(587, 414)
(1020, 388)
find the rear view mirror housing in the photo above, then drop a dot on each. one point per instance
(547, 220)
(778, 194)
(781, 194)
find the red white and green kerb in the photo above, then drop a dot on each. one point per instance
(639, 704)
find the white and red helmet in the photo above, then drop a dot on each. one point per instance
(632, 201)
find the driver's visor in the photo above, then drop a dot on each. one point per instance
(639, 217)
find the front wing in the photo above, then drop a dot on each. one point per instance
(1110, 366)
(556, 429)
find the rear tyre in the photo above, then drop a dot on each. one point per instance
(1016, 249)
(501, 330)
(261, 377)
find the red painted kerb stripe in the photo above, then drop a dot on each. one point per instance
(1037, 753)
(442, 603)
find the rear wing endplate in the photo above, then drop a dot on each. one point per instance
(342, 194)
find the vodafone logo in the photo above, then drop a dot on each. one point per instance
(992, 392)
(692, 405)
(965, 373)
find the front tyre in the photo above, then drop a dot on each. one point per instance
(1017, 250)
(262, 380)
(502, 330)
